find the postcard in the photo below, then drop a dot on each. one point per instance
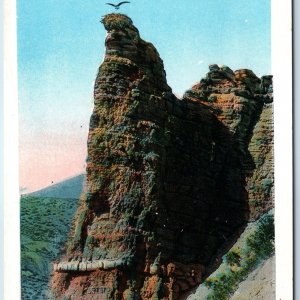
(148, 150)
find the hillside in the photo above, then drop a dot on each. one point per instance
(45, 224)
(247, 270)
(67, 189)
(260, 284)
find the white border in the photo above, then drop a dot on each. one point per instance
(297, 147)
(282, 71)
(11, 178)
(1, 155)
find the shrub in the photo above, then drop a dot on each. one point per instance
(262, 242)
(258, 246)
(233, 258)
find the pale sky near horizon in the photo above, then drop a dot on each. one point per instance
(60, 47)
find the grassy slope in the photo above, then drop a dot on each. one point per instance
(254, 247)
(45, 224)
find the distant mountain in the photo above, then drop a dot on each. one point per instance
(67, 189)
(46, 217)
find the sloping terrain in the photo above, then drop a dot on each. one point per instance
(45, 224)
(247, 270)
(68, 189)
(260, 284)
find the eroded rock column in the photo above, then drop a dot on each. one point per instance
(166, 177)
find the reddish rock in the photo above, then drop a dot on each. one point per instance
(166, 177)
(243, 103)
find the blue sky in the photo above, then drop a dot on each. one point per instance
(61, 44)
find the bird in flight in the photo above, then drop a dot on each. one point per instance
(117, 6)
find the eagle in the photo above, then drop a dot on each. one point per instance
(117, 6)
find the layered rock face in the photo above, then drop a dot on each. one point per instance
(166, 177)
(244, 104)
(260, 183)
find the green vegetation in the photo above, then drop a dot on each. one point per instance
(116, 21)
(212, 99)
(262, 242)
(45, 224)
(233, 258)
(259, 245)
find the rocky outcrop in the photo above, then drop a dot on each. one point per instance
(166, 177)
(260, 183)
(244, 104)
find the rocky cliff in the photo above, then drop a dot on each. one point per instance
(244, 104)
(167, 178)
